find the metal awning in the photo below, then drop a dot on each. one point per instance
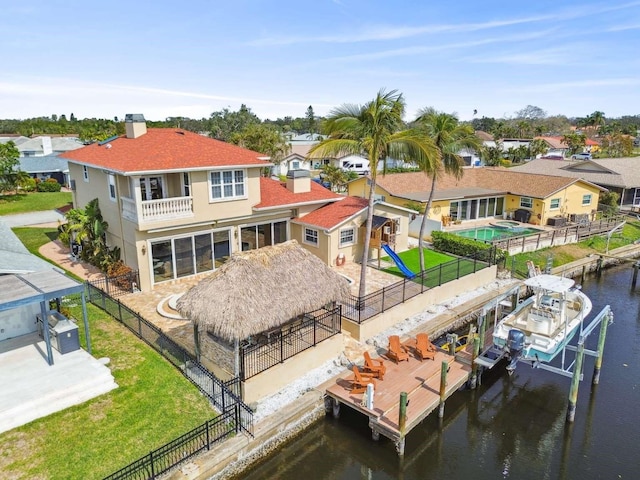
(35, 287)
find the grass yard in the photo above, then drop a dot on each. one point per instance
(33, 202)
(153, 405)
(411, 259)
(568, 253)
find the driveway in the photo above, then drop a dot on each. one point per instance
(49, 217)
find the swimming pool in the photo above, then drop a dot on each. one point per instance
(496, 233)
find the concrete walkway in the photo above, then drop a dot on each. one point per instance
(46, 217)
(60, 255)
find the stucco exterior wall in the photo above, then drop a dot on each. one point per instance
(274, 379)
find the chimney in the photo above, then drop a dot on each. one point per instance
(135, 125)
(299, 181)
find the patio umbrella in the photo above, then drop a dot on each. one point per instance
(262, 289)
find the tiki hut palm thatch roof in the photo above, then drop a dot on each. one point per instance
(262, 289)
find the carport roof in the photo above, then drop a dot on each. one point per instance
(18, 290)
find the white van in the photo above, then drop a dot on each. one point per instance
(359, 165)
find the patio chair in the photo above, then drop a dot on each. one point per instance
(424, 347)
(360, 380)
(396, 351)
(375, 367)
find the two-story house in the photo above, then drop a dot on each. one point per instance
(179, 204)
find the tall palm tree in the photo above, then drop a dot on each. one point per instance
(376, 130)
(450, 137)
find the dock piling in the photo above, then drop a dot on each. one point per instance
(603, 335)
(634, 280)
(443, 388)
(474, 372)
(402, 422)
(575, 381)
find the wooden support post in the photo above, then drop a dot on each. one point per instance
(603, 335)
(196, 341)
(584, 272)
(443, 387)
(599, 266)
(575, 381)
(634, 280)
(402, 422)
(452, 343)
(483, 330)
(475, 366)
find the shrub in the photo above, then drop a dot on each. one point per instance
(27, 184)
(120, 271)
(466, 247)
(49, 186)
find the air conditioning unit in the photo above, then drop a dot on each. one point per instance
(73, 185)
(386, 230)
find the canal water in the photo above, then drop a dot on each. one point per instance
(510, 427)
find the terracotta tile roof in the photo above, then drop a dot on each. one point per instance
(333, 215)
(589, 142)
(486, 180)
(164, 149)
(274, 193)
(484, 136)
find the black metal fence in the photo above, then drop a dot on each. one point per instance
(359, 309)
(118, 285)
(265, 351)
(182, 448)
(225, 396)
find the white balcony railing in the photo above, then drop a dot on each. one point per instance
(162, 209)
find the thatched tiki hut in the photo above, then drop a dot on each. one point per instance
(262, 308)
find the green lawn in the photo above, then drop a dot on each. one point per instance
(568, 253)
(153, 405)
(33, 202)
(411, 259)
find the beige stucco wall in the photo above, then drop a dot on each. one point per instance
(274, 379)
(571, 201)
(419, 303)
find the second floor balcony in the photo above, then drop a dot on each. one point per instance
(157, 210)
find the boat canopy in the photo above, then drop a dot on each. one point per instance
(551, 283)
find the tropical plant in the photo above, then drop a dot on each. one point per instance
(537, 146)
(449, 138)
(10, 174)
(375, 130)
(575, 142)
(493, 155)
(337, 177)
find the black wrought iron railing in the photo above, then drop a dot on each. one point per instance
(265, 351)
(359, 309)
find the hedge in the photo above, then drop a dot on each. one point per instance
(466, 247)
(49, 186)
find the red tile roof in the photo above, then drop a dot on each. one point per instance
(274, 193)
(164, 149)
(331, 216)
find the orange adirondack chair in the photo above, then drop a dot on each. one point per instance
(424, 347)
(396, 351)
(375, 367)
(360, 381)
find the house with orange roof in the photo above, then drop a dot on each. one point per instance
(486, 193)
(178, 204)
(335, 232)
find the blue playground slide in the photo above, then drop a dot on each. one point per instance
(403, 268)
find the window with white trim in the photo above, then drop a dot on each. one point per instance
(226, 184)
(295, 165)
(398, 223)
(555, 204)
(311, 236)
(186, 184)
(586, 199)
(112, 186)
(347, 236)
(526, 202)
(85, 173)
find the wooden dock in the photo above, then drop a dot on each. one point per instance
(419, 379)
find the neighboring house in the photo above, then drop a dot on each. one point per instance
(472, 158)
(297, 158)
(620, 175)
(508, 143)
(179, 204)
(336, 231)
(43, 145)
(556, 147)
(487, 192)
(48, 166)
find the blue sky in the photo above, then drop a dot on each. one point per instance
(191, 58)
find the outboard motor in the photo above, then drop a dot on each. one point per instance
(515, 345)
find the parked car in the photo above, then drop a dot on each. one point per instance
(322, 182)
(581, 156)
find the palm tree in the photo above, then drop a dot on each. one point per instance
(375, 130)
(450, 137)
